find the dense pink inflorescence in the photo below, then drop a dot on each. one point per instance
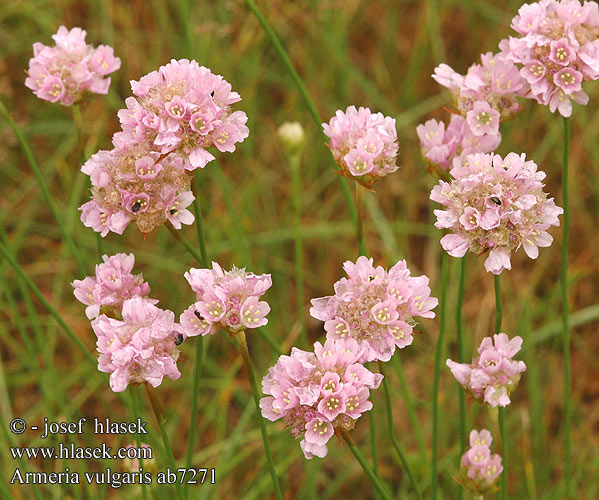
(493, 374)
(441, 144)
(134, 185)
(112, 285)
(317, 393)
(70, 69)
(364, 144)
(181, 109)
(374, 307)
(142, 347)
(495, 205)
(479, 469)
(558, 49)
(229, 299)
(487, 94)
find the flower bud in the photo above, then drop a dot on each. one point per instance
(292, 137)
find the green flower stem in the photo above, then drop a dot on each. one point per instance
(188, 246)
(391, 432)
(501, 415)
(205, 262)
(137, 414)
(498, 304)
(568, 473)
(161, 419)
(274, 39)
(45, 192)
(360, 219)
(245, 354)
(437, 367)
(367, 469)
(298, 247)
(460, 343)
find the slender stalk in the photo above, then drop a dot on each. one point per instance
(274, 39)
(298, 248)
(498, 304)
(460, 342)
(137, 414)
(205, 262)
(501, 415)
(245, 354)
(373, 448)
(161, 418)
(188, 246)
(360, 219)
(438, 356)
(45, 192)
(367, 469)
(568, 473)
(391, 432)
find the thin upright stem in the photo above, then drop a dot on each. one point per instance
(298, 246)
(360, 219)
(188, 246)
(460, 343)
(161, 418)
(137, 414)
(204, 261)
(45, 191)
(391, 432)
(568, 473)
(501, 416)
(245, 354)
(498, 304)
(438, 356)
(301, 87)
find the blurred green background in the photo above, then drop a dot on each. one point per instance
(374, 53)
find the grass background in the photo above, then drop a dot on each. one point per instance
(376, 53)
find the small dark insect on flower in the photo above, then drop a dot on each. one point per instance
(198, 315)
(173, 211)
(370, 278)
(136, 206)
(179, 339)
(495, 200)
(212, 94)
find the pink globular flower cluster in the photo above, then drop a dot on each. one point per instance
(479, 469)
(180, 110)
(364, 144)
(141, 347)
(226, 299)
(487, 94)
(441, 144)
(66, 72)
(177, 112)
(558, 49)
(317, 393)
(375, 307)
(493, 374)
(112, 285)
(134, 185)
(495, 205)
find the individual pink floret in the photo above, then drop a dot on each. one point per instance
(111, 286)
(479, 469)
(71, 69)
(318, 393)
(495, 205)
(440, 145)
(491, 87)
(558, 50)
(134, 185)
(142, 347)
(374, 307)
(226, 299)
(364, 144)
(493, 374)
(181, 110)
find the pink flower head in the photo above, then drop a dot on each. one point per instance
(479, 469)
(112, 285)
(229, 299)
(180, 110)
(375, 307)
(495, 205)
(364, 144)
(440, 145)
(140, 187)
(557, 49)
(317, 393)
(496, 82)
(142, 347)
(492, 375)
(71, 69)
